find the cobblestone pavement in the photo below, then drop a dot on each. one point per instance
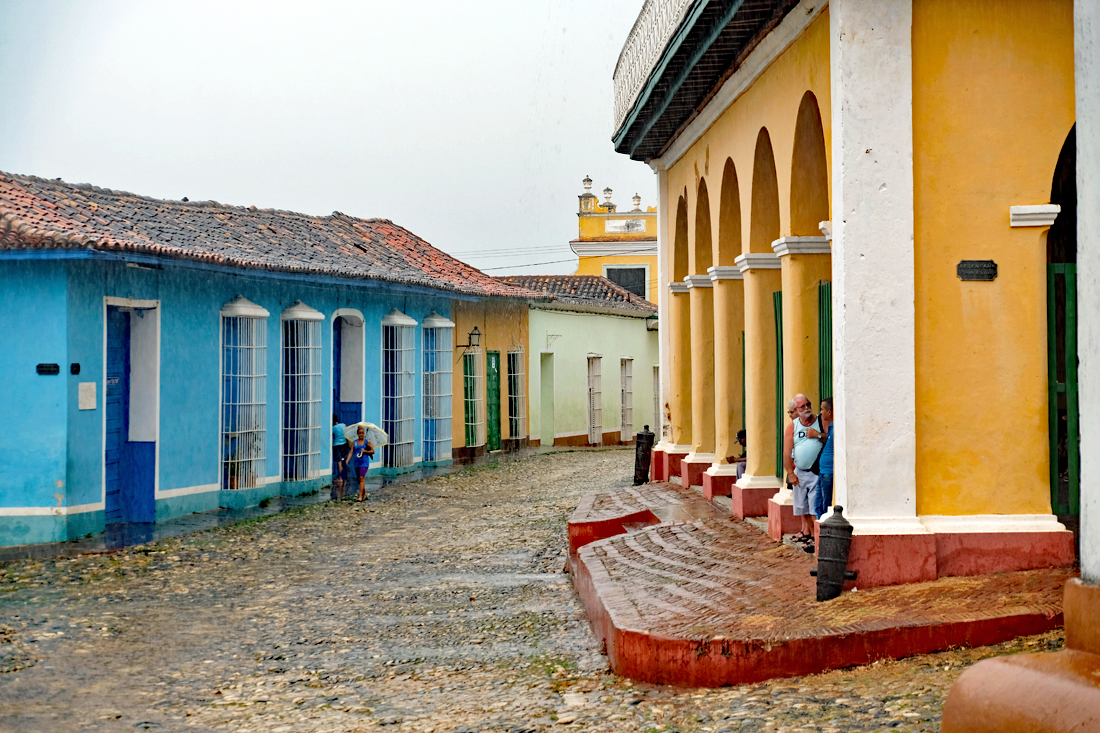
(435, 606)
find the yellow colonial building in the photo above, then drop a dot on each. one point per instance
(872, 201)
(618, 245)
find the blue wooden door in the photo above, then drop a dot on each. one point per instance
(117, 402)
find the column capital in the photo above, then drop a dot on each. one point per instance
(725, 272)
(698, 281)
(801, 246)
(675, 287)
(757, 261)
(1038, 215)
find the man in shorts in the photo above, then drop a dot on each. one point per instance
(802, 442)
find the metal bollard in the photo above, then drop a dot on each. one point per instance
(643, 453)
(834, 541)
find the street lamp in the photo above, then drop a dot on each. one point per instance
(475, 340)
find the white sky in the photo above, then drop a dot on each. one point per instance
(469, 123)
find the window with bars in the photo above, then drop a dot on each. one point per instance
(595, 402)
(517, 394)
(244, 397)
(473, 397)
(657, 412)
(626, 389)
(398, 388)
(302, 423)
(438, 334)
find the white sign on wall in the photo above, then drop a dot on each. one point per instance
(85, 396)
(623, 226)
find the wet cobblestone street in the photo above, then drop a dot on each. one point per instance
(439, 605)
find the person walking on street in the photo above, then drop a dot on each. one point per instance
(802, 441)
(361, 452)
(824, 498)
(339, 458)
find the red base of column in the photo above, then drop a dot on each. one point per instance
(781, 520)
(750, 502)
(671, 465)
(717, 486)
(1045, 693)
(657, 466)
(891, 559)
(691, 474)
(981, 553)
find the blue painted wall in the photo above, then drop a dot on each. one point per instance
(56, 315)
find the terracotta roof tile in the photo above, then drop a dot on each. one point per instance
(584, 290)
(40, 214)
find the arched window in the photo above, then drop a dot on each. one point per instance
(438, 337)
(244, 394)
(302, 439)
(398, 388)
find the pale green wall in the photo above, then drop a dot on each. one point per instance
(613, 338)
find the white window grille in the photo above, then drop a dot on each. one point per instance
(473, 394)
(657, 412)
(244, 394)
(517, 394)
(398, 388)
(438, 336)
(626, 385)
(302, 438)
(595, 402)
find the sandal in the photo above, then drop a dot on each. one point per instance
(801, 537)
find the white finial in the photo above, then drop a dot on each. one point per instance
(607, 195)
(587, 184)
(637, 202)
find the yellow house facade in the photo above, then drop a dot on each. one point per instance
(618, 245)
(864, 203)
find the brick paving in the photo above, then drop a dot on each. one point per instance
(712, 601)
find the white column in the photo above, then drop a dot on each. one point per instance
(1086, 48)
(664, 275)
(873, 282)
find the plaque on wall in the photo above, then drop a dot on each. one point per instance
(977, 270)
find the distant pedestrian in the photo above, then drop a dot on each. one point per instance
(802, 441)
(339, 458)
(825, 462)
(739, 460)
(361, 452)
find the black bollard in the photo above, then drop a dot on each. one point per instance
(834, 541)
(643, 453)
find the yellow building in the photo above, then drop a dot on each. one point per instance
(618, 245)
(856, 200)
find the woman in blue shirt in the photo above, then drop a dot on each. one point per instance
(824, 499)
(359, 458)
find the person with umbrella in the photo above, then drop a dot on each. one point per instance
(361, 451)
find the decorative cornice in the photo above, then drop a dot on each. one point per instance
(677, 287)
(1038, 215)
(801, 246)
(698, 281)
(826, 228)
(725, 272)
(645, 248)
(757, 261)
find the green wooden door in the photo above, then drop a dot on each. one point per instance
(492, 400)
(780, 408)
(824, 340)
(1065, 451)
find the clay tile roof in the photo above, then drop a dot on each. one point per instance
(36, 213)
(585, 292)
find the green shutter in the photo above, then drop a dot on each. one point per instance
(824, 340)
(1065, 451)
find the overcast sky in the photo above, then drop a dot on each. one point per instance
(469, 123)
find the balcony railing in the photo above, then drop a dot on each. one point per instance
(648, 38)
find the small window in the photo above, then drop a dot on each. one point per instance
(302, 439)
(438, 335)
(244, 395)
(595, 402)
(398, 388)
(473, 399)
(517, 394)
(626, 386)
(632, 279)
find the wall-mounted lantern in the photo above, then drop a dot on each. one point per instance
(475, 340)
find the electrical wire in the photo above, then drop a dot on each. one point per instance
(533, 264)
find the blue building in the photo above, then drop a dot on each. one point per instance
(169, 357)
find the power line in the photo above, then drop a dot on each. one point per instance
(533, 264)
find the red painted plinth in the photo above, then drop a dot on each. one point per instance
(1036, 693)
(892, 559)
(980, 553)
(582, 533)
(717, 486)
(671, 465)
(781, 520)
(751, 502)
(657, 466)
(691, 474)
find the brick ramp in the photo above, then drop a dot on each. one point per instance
(714, 601)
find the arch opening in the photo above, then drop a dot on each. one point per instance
(764, 215)
(729, 217)
(809, 171)
(680, 242)
(702, 252)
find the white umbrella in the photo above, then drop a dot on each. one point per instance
(376, 435)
